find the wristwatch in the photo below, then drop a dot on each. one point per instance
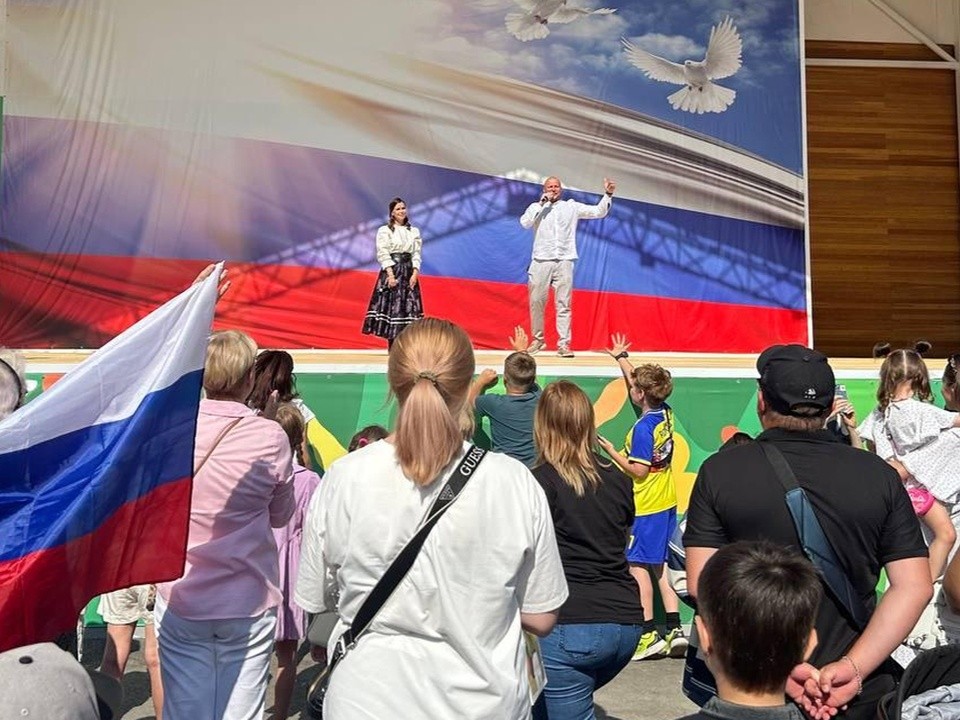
(622, 355)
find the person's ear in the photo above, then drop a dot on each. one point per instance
(761, 401)
(811, 644)
(704, 641)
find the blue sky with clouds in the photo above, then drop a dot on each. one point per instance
(586, 57)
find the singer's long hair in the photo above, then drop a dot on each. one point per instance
(393, 203)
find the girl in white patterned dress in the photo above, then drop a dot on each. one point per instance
(920, 440)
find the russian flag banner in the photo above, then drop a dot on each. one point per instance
(96, 473)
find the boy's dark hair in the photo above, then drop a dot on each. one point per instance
(655, 381)
(520, 370)
(759, 602)
(367, 435)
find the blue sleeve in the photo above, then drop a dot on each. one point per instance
(641, 442)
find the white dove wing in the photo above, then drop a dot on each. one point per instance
(653, 66)
(723, 51)
(568, 14)
(528, 5)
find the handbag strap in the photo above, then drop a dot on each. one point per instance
(813, 540)
(404, 561)
(229, 426)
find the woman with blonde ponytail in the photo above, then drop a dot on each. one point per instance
(429, 372)
(448, 642)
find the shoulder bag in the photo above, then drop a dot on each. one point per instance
(814, 542)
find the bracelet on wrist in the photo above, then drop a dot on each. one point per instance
(855, 670)
(621, 356)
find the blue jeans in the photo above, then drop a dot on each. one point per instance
(579, 659)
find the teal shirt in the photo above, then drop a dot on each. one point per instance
(511, 423)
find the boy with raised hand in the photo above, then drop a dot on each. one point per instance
(757, 603)
(511, 414)
(646, 457)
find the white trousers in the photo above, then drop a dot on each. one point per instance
(540, 276)
(214, 669)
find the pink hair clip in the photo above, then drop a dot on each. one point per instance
(362, 441)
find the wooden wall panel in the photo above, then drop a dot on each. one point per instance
(884, 193)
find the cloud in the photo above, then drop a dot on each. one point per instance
(604, 30)
(672, 47)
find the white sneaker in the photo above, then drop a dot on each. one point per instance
(535, 347)
(564, 352)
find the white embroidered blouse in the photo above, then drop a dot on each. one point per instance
(401, 239)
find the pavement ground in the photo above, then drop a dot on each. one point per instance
(648, 690)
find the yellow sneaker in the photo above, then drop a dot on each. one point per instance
(651, 645)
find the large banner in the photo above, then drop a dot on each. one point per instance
(143, 139)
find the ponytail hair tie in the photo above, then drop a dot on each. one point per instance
(427, 375)
(881, 350)
(362, 442)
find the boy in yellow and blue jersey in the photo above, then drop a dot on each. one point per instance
(646, 457)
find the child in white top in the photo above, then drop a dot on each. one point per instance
(920, 440)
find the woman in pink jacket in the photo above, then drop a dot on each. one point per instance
(216, 623)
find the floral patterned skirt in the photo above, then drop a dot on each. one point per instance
(393, 308)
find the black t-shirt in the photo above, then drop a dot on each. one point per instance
(592, 534)
(859, 499)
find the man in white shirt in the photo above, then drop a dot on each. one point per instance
(554, 224)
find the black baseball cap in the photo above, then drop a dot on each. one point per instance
(794, 377)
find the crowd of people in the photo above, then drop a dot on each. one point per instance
(559, 534)
(423, 570)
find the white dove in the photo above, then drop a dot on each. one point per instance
(532, 24)
(699, 94)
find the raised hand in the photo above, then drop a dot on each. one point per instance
(222, 284)
(619, 344)
(519, 340)
(609, 186)
(488, 377)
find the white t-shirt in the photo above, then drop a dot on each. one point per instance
(448, 643)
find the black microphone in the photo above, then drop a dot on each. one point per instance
(544, 199)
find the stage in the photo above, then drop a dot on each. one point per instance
(714, 394)
(594, 364)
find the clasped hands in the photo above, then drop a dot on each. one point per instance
(823, 693)
(392, 281)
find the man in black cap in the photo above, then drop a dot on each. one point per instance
(865, 514)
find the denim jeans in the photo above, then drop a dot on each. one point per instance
(580, 658)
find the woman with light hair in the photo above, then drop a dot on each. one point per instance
(216, 623)
(592, 506)
(448, 642)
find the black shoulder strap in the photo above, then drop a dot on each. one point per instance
(813, 540)
(404, 561)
